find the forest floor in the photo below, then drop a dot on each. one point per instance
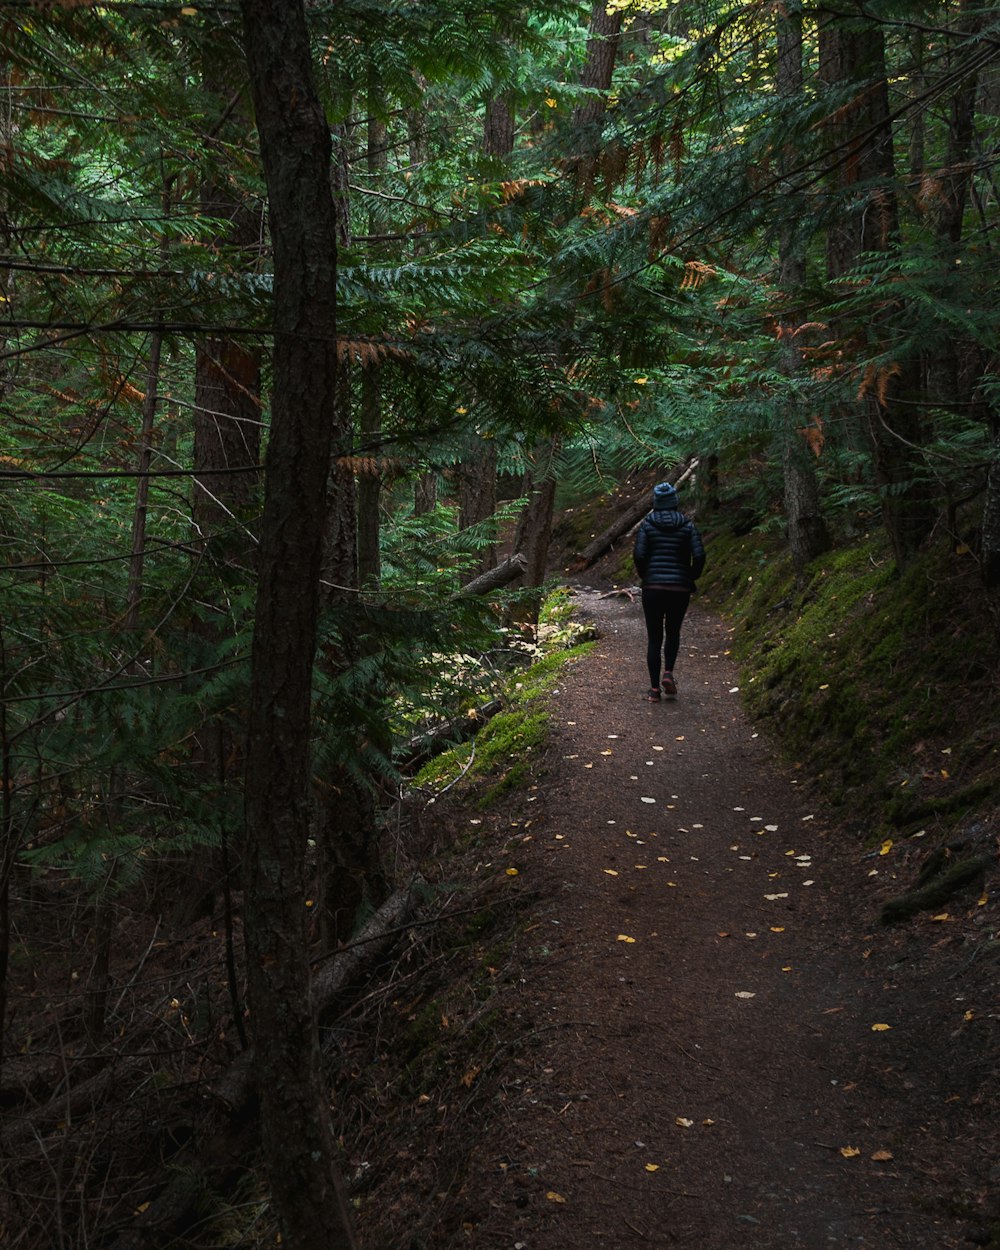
(717, 1043)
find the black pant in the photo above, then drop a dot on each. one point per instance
(664, 611)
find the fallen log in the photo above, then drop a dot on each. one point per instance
(227, 1134)
(424, 746)
(627, 520)
(338, 976)
(506, 571)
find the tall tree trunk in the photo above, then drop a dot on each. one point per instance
(347, 865)
(425, 493)
(477, 494)
(137, 559)
(807, 532)
(227, 414)
(370, 425)
(136, 566)
(598, 68)
(949, 199)
(227, 418)
(9, 846)
(299, 1147)
(476, 475)
(227, 441)
(425, 489)
(852, 54)
(534, 526)
(370, 479)
(990, 555)
(498, 127)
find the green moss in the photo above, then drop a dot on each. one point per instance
(858, 672)
(507, 752)
(557, 608)
(508, 749)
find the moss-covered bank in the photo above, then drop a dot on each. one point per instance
(507, 752)
(882, 685)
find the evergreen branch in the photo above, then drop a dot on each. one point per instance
(111, 686)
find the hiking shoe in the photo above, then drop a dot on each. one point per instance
(669, 685)
(652, 695)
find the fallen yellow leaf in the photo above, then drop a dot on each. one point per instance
(511, 872)
(849, 1152)
(554, 1197)
(882, 1156)
(943, 916)
(683, 1123)
(969, 1015)
(622, 937)
(886, 847)
(881, 1028)
(611, 872)
(652, 1167)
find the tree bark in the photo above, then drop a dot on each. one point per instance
(534, 526)
(299, 1147)
(990, 553)
(627, 521)
(602, 52)
(425, 493)
(492, 579)
(866, 220)
(338, 978)
(807, 532)
(630, 518)
(370, 483)
(477, 494)
(498, 128)
(948, 204)
(227, 417)
(227, 412)
(476, 475)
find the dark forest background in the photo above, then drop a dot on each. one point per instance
(312, 317)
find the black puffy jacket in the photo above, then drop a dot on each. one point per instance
(668, 551)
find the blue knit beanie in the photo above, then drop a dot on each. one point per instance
(664, 497)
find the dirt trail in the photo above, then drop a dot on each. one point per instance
(701, 1065)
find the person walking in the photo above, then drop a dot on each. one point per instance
(669, 556)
